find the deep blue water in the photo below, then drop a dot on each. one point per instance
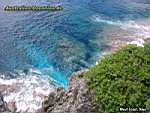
(60, 43)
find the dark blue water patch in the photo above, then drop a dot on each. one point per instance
(31, 3)
(119, 9)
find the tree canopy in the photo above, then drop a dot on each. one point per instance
(121, 80)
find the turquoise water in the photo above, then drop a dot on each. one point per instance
(60, 43)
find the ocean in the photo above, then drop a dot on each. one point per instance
(39, 51)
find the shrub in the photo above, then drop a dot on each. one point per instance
(121, 80)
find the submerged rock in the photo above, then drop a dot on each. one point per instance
(77, 99)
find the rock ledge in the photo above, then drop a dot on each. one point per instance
(77, 99)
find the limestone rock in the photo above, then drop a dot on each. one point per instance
(3, 106)
(77, 99)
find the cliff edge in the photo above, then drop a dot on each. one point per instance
(77, 99)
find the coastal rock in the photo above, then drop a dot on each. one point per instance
(3, 105)
(77, 99)
(12, 107)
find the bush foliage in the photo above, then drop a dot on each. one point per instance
(122, 80)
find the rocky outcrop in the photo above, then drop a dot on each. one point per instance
(77, 99)
(6, 108)
(3, 105)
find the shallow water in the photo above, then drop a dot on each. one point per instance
(60, 43)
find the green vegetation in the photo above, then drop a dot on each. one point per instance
(121, 80)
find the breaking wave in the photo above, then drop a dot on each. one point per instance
(139, 27)
(27, 91)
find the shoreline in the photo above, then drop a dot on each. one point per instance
(73, 77)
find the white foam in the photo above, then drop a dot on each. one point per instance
(31, 90)
(7, 82)
(137, 27)
(138, 42)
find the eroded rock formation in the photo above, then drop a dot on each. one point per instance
(77, 99)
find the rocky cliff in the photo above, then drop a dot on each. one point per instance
(77, 99)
